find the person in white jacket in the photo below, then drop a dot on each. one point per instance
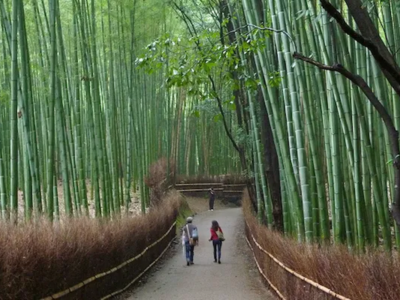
(190, 238)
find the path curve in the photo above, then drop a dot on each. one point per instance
(235, 279)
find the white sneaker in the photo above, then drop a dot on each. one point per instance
(212, 210)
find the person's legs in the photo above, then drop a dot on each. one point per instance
(187, 248)
(212, 203)
(215, 250)
(191, 253)
(219, 251)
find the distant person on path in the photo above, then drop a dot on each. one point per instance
(217, 237)
(212, 198)
(190, 238)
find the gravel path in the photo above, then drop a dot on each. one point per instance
(235, 279)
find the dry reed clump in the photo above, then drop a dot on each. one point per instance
(39, 259)
(371, 276)
(157, 180)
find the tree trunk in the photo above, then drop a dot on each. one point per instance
(238, 96)
(271, 164)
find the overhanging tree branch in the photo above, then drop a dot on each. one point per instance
(267, 29)
(383, 113)
(379, 52)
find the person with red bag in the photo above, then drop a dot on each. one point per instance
(217, 237)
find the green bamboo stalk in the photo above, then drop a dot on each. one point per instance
(13, 114)
(24, 102)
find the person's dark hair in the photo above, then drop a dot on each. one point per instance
(214, 225)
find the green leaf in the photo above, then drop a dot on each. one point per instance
(217, 118)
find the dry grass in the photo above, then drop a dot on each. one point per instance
(157, 180)
(39, 259)
(371, 276)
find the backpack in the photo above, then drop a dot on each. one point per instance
(220, 235)
(195, 234)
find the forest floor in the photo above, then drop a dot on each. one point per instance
(236, 278)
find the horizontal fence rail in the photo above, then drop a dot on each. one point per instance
(287, 269)
(225, 191)
(100, 275)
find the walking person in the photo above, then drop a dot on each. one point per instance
(217, 237)
(190, 238)
(212, 198)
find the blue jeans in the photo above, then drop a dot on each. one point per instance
(189, 252)
(217, 244)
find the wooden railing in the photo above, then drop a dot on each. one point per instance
(231, 192)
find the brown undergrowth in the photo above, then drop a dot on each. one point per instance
(158, 181)
(39, 259)
(372, 276)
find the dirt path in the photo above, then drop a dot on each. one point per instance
(235, 279)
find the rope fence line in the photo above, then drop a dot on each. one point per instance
(140, 275)
(100, 275)
(309, 281)
(262, 272)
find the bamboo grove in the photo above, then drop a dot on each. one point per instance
(80, 124)
(334, 152)
(319, 152)
(90, 97)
